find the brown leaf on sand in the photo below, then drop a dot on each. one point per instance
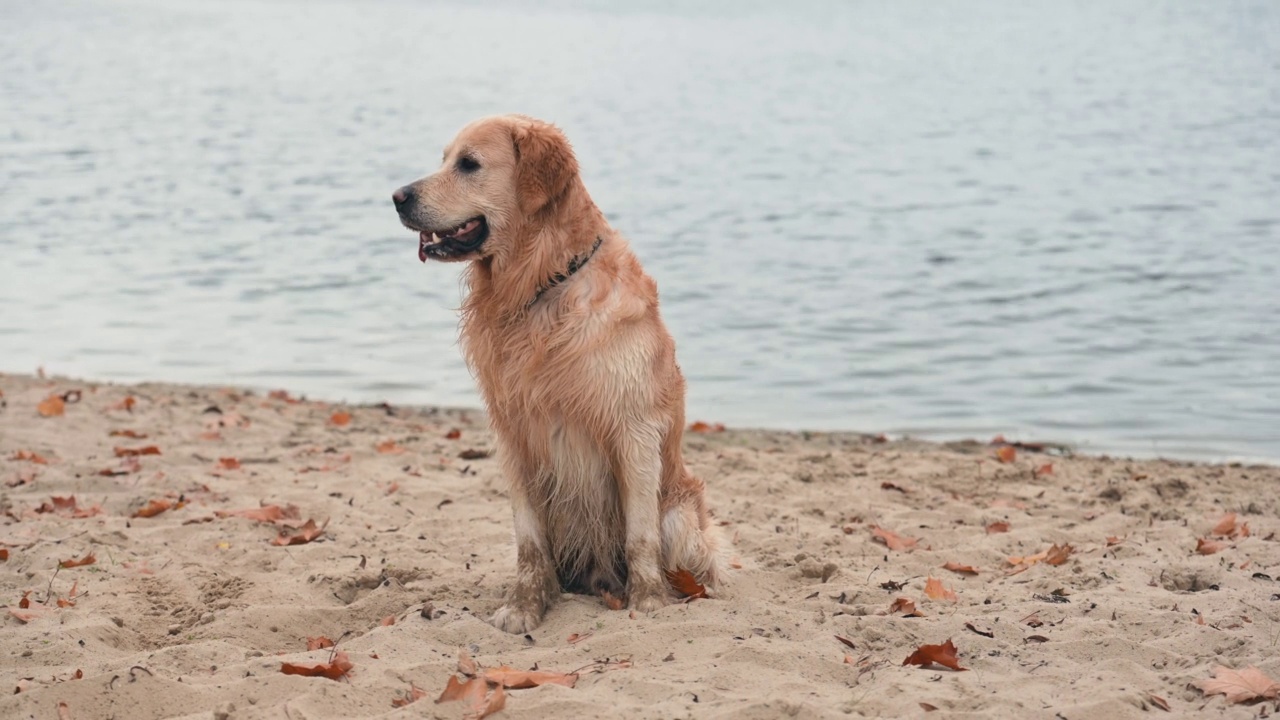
(1204, 546)
(266, 513)
(479, 701)
(412, 696)
(341, 418)
(25, 601)
(457, 690)
(1240, 685)
(1006, 454)
(962, 569)
(64, 711)
(576, 638)
(131, 434)
(927, 707)
(1058, 555)
(88, 559)
(466, 665)
(319, 643)
(27, 615)
(906, 607)
(308, 532)
(704, 427)
(998, 527)
(893, 540)
(453, 434)
(334, 670)
(1045, 469)
(613, 603)
(1159, 702)
(134, 452)
(126, 404)
(155, 507)
(29, 457)
(521, 679)
(52, 406)
(4, 554)
(944, 655)
(846, 642)
(389, 447)
(229, 463)
(388, 621)
(686, 584)
(1228, 528)
(934, 590)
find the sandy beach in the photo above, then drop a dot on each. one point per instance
(192, 593)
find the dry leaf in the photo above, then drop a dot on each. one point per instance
(1006, 454)
(1226, 527)
(4, 554)
(453, 434)
(134, 452)
(389, 447)
(1240, 685)
(319, 643)
(340, 418)
(155, 507)
(1159, 702)
(927, 707)
(613, 603)
(456, 690)
(308, 532)
(893, 540)
(934, 590)
(886, 485)
(520, 679)
(52, 406)
(64, 711)
(1045, 469)
(126, 404)
(1058, 555)
(702, 427)
(944, 655)
(906, 607)
(998, 527)
(686, 584)
(229, 463)
(266, 513)
(1112, 540)
(962, 569)
(283, 395)
(29, 457)
(846, 642)
(1205, 546)
(334, 670)
(466, 665)
(388, 621)
(88, 559)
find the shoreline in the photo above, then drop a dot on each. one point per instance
(416, 553)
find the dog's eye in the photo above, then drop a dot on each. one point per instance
(468, 164)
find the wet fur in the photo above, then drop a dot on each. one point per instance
(582, 386)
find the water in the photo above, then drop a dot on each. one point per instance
(1050, 220)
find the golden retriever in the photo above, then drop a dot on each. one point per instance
(561, 328)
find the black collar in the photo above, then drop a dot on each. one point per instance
(574, 266)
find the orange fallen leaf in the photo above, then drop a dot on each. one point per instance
(88, 559)
(52, 406)
(1240, 685)
(131, 434)
(266, 513)
(934, 590)
(283, 395)
(453, 434)
(392, 488)
(334, 670)
(1225, 527)
(4, 554)
(467, 665)
(134, 452)
(521, 679)
(927, 707)
(126, 404)
(686, 584)
(340, 418)
(319, 643)
(308, 532)
(29, 457)
(456, 690)
(1159, 702)
(702, 427)
(962, 569)
(64, 711)
(1006, 454)
(735, 563)
(1045, 469)
(25, 601)
(155, 507)
(388, 621)
(28, 614)
(613, 603)
(389, 447)
(1113, 540)
(79, 674)
(1058, 555)
(944, 655)
(412, 696)
(1205, 546)
(906, 607)
(229, 463)
(893, 540)
(576, 638)
(846, 642)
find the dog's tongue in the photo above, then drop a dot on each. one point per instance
(422, 247)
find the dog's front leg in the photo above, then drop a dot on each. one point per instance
(639, 473)
(536, 583)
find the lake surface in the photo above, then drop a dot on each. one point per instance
(1053, 221)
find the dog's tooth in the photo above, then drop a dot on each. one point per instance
(435, 239)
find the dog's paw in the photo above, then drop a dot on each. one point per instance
(647, 601)
(516, 620)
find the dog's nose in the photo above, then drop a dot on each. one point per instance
(402, 197)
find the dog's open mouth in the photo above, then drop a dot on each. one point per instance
(453, 243)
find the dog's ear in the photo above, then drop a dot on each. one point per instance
(545, 165)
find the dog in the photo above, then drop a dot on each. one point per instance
(560, 326)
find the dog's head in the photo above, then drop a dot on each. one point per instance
(498, 174)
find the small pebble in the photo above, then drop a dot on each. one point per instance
(206, 618)
(118, 621)
(26, 653)
(224, 711)
(175, 629)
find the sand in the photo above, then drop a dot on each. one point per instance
(187, 614)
